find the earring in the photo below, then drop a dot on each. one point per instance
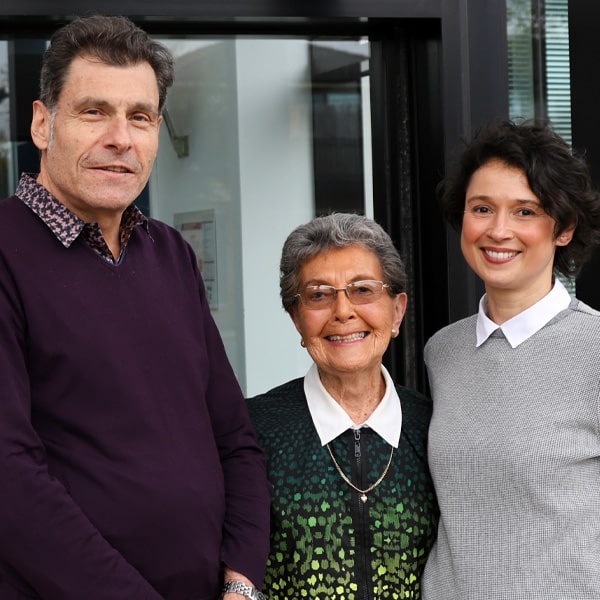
(302, 343)
(394, 332)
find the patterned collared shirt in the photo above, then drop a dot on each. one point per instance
(67, 226)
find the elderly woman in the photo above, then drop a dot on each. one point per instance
(354, 512)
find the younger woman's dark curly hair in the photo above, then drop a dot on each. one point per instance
(558, 176)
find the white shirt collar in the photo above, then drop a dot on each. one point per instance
(522, 326)
(331, 419)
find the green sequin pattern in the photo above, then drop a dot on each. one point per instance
(325, 543)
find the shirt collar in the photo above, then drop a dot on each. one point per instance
(63, 223)
(522, 326)
(331, 419)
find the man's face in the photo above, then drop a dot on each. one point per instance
(99, 143)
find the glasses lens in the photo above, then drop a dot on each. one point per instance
(363, 292)
(359, 292)
(318, 296)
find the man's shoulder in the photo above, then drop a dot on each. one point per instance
(14, 217)
(11, 204)
(162, 229)
(165, 236)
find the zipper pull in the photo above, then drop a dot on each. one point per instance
(357, 443)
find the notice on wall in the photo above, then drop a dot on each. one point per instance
(199, 229)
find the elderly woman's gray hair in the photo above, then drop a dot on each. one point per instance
(337, 230)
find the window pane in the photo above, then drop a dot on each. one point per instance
(557, 66)
(520, 59)
(275, 134)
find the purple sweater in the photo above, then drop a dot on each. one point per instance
(128, 465)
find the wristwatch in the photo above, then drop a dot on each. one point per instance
(244, 589)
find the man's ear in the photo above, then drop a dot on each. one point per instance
(40, 125)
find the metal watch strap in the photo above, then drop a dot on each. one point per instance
(244, 589)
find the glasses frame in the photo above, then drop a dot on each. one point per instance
(345, 289)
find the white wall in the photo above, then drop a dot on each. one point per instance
(203, 105)
(276, 175)
(245, 106)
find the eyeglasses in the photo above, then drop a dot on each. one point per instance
(316, 297)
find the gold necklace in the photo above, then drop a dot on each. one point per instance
(363, 493)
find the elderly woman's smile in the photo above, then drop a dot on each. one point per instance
(351, 337)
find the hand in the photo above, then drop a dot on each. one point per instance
(231, 575)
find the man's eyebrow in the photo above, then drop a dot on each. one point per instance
(91, 101)
(145, 107)
(100, 103)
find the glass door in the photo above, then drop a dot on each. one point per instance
(260, 135)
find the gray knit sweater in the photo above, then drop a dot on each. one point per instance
(514, 450)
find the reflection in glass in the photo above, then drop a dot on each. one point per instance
(277, 131)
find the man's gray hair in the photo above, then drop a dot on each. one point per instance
(113, 40)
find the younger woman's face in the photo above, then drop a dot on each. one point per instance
(507, 238)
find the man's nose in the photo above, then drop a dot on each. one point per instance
(118, 134)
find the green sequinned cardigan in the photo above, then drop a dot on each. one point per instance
(326, 543)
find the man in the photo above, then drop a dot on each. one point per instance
(128, 465)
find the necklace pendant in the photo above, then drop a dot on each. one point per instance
(363, 493)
